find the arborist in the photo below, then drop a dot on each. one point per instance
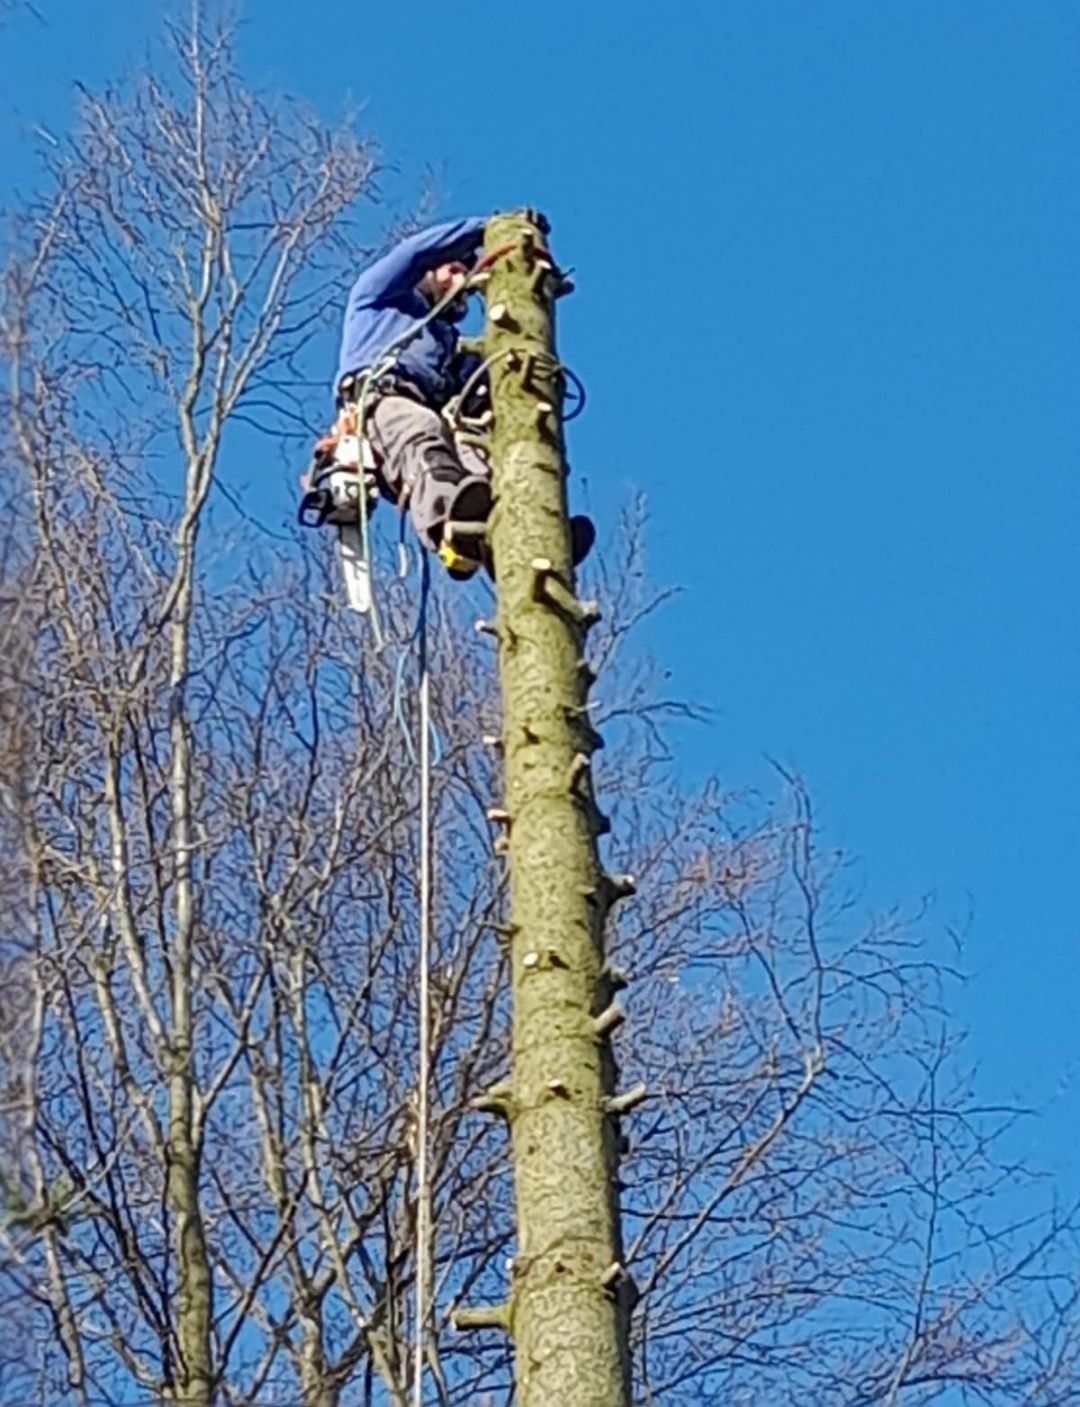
(399, 367)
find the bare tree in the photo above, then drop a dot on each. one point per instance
(176, 267)
(207, 1089)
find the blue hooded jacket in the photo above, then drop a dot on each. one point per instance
(384, 304)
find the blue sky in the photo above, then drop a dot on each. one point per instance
(827, 268)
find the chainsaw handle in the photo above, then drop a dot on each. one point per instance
(315, 508)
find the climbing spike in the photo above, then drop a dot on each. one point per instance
(465, 529)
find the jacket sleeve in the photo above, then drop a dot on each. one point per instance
(405, 265)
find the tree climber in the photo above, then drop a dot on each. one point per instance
(400, 364)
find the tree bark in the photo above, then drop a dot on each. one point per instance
(567, 1307)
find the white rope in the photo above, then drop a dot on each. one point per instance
(423, 1078)
(362, 500)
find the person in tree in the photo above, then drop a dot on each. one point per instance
(418, 368)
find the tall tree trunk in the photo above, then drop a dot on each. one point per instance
(194, 1290)
(567, 1306)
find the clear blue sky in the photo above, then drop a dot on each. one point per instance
(827, 261)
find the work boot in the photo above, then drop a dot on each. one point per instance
(463, 546)
(582, 537)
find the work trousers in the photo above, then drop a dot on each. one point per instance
(420, 461)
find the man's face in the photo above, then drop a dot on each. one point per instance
(439, 282)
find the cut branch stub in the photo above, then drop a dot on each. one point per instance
(623, 1103)
(616, 887)
(501, 316)
(498, 1099)
(615, 979)
(550, 588)
(609, 1020)
(481, 1316)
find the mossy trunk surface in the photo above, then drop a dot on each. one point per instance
(567, 1306)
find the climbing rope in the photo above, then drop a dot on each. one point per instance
(362, 507)
(423, 1077)
(418, 636)
(571, 381)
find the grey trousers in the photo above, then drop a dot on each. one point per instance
(420, 461)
